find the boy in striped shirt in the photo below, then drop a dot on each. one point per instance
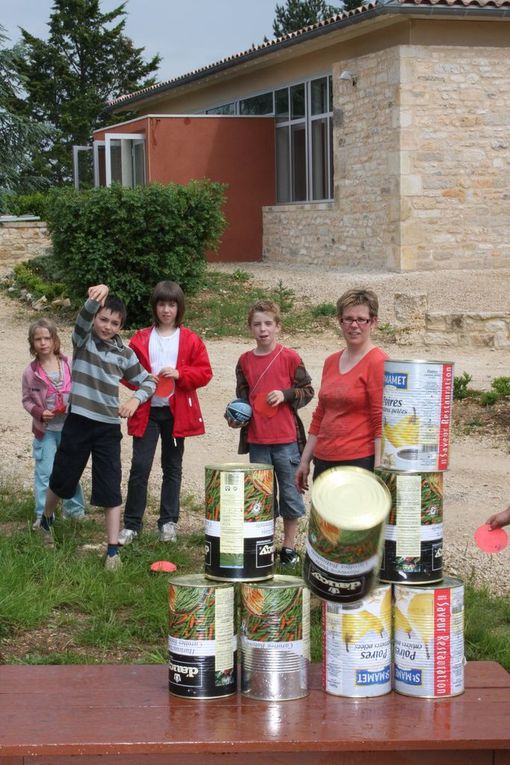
(92, 427)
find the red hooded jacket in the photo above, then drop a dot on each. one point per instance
(194, 372)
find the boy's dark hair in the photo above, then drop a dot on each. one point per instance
(115, 305)
(168, 292)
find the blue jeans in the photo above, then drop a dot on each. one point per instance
(285, 460)
(160, 425)
(43, 452)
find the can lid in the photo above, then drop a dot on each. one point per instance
(389, 362)
(196, 580)
(351, 498)
(243, 467)
(279, 580)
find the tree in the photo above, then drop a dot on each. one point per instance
(296, 14)
(20, 136)
(86, 60)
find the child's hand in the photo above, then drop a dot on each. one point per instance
(169, 372)
(129, 408)
(47, 415)
(301, 477)
(275, 397)
(99, 293)
(499, 519)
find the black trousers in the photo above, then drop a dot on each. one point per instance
(320, 466)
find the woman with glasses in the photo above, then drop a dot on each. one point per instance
(346, 425)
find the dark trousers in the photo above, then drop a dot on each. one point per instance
(320, 466)
(161, 425)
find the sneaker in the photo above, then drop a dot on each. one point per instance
(288, 556)
(46, 536)
(36, 524)
(113, 562)
(168, 532)
(126, 536)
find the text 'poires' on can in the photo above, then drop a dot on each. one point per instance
(417, 408)
(413, 538)
(202, 640)
(357, 645)
(345, 533)
(429, 639)
(239, 522)
(275, 639)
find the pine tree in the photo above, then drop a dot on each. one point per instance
(296, 14)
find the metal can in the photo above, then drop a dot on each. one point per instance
(357, 646)
(239, 522)
(275, 639)
(417, 407)
(429, 640)
(345, 533)
(202, 641)
(413, 537)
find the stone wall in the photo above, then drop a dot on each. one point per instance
(22, 240)
(454, 157)
(301, 233)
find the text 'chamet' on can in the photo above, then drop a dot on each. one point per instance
(429, 639)
(345, 533)
(202, 639)
(275, 639)
(413, 538)
(239, 522)
(357, 645)
(417, 408)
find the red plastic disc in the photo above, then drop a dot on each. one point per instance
(491, 540)
(165, 387)
(163, 565)
(262, 407)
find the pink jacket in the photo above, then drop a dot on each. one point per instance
(194, 372)
(35, 392)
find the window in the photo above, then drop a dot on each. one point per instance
(120, 159)
(224, 109)
(262, 104)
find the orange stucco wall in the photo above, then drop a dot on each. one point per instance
(236, 151)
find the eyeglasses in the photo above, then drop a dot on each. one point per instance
(359, 322)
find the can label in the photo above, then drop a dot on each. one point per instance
(201, 640)
(239, 523)
(413, 546)
(357, 646)
(429, 641)
(417, 405)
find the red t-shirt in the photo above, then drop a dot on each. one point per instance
(348, 416)
(280, 429)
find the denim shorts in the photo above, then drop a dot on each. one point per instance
(285, 460)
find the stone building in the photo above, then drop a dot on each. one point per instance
(388, 145)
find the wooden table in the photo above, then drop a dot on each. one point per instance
(123, 715)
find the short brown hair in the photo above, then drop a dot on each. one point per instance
(358, 297)
(170, 292)
(52, 329)
(265, 306)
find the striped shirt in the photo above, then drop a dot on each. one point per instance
(98, 368)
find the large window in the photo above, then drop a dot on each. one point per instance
(304, 131)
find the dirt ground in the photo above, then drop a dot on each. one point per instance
(476, 484)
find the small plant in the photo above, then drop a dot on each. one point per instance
(387, 331)
(489, 397)
(501, 385)
(284, 296)
(460, 386)
(323, 309)
(241, 276)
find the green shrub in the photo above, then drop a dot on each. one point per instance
(323, 309)
(26, 204)
(27, 277)
(460, 386)
(501, 385)
(130, 239)
(489, 397)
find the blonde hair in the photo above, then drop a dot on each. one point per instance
(52, 329)
(358, 297)
(265, 306)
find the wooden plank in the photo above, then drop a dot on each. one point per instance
(126, 710)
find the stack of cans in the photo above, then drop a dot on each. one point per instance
(239, 594)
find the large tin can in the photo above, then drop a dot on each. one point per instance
(239, 522)
(417, 407)
(357, 645)
(275, 639)
(429, 640)
(413, 537)
(202, 640)
(345, 533)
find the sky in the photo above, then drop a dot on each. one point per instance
(188, 34)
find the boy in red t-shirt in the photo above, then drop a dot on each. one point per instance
(275, 382)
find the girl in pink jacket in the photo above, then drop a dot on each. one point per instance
(46, 384)
(179, 359)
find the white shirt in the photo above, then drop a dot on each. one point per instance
(163, 350)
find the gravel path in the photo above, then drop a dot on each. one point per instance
(476, 484)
